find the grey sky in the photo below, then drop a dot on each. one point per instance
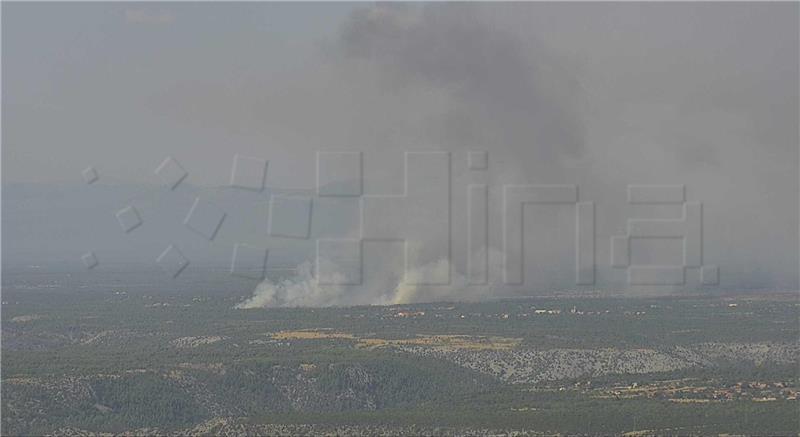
(81, 80)
(598, 94)
(120, 85)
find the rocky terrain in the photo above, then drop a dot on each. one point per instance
(237, 426)
(105, 364)
(530, 366)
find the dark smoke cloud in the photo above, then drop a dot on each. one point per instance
(601, 95)
(505, 93)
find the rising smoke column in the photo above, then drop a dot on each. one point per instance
(498, 91)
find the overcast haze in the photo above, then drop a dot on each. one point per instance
(601, 95)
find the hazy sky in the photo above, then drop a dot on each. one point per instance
(598, 94)
(119, 86)
(103, 84)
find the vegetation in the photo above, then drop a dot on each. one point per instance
(121, 360)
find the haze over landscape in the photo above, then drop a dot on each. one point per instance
(601, 96)
(400, 218)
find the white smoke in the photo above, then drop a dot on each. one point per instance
(301, 290)
(304, 289)
(448, 77)
(497, 91)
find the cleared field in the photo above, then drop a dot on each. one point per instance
(442, 342)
